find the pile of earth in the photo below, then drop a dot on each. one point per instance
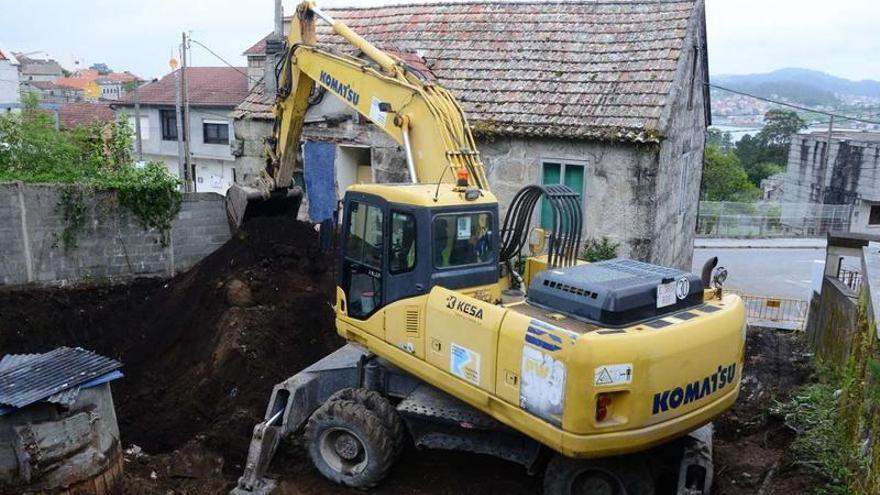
(201, 351)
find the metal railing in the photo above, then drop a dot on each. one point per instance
(776, 312)
(768, 219)
(850, 278)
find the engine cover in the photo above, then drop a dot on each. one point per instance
(615, 293)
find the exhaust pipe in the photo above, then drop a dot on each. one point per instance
(708, 266)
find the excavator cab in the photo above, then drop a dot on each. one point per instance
(400, 247)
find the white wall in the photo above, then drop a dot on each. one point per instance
(9, 89)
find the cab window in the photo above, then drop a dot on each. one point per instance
(403, 242)
(362, 271)
(365, 235)
(462, 239)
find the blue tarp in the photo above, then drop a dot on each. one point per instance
(319, 171)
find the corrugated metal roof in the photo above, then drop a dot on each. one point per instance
(34, 379)
(10, 360)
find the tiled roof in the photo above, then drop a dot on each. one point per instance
(73, 82)
(601, 68)
(71, 115)
(259, 47)
(256, 106)
(206, 86)
(37, 67)
(43, 85)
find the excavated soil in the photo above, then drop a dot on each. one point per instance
(202, 351)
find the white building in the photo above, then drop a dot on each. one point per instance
(10, 98)
(213, 93)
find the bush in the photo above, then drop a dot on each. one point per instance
(599, 249)
(87, 158)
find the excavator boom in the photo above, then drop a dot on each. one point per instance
(420, 115)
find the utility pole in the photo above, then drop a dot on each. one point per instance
(178, 92)
(187, 158)
(137, 125)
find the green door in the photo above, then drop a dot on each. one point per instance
(561, 173)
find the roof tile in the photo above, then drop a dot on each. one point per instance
(206, 87)
(578, 68)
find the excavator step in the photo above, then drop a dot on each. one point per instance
(437, 420)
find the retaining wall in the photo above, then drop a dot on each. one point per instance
(112, 246)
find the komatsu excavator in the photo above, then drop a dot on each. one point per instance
(602, 375)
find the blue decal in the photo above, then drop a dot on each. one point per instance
(530, 339)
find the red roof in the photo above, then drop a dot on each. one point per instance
(259, 47)
(206, 86)
(73, 82)
(71, 115)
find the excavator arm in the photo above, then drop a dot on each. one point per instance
(421, 116)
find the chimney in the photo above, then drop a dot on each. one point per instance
(274, 49)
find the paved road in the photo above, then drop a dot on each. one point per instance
(773, 272)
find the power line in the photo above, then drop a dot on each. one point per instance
(802, 108)
(212, 52)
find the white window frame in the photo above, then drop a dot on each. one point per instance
(145, 126)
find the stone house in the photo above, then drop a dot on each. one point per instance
(604, 96)
(213, 94)
(847, 173)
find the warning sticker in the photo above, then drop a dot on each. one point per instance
(613, 374)
(376, 115)
(464, 363)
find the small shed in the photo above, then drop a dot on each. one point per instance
(58, 430)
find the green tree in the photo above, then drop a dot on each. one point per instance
(97, 156)
(721, 139)
(725, 179)
(766, 153)
(779, 127)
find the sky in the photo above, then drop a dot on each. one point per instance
(745, 36)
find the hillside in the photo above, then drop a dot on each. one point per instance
(805, 86)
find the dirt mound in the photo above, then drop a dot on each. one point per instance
(195, 365)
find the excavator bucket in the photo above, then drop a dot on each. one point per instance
(243, 202)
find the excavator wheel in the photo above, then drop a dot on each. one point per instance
(610, 476)
(349, 444)
(379, 405)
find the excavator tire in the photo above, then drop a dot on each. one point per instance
(349, 444)
(609, 476)
(380, 406)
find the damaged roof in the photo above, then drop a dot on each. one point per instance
(26, 379)
(602, 68)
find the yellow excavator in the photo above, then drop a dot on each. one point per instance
(603, 376)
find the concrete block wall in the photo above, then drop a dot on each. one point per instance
(113, 245)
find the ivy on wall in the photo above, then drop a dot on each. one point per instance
(85, 159)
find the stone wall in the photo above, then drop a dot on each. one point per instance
(852, 171)
(679, 172)
(832, 326)
(113, 245)
(618, 184)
